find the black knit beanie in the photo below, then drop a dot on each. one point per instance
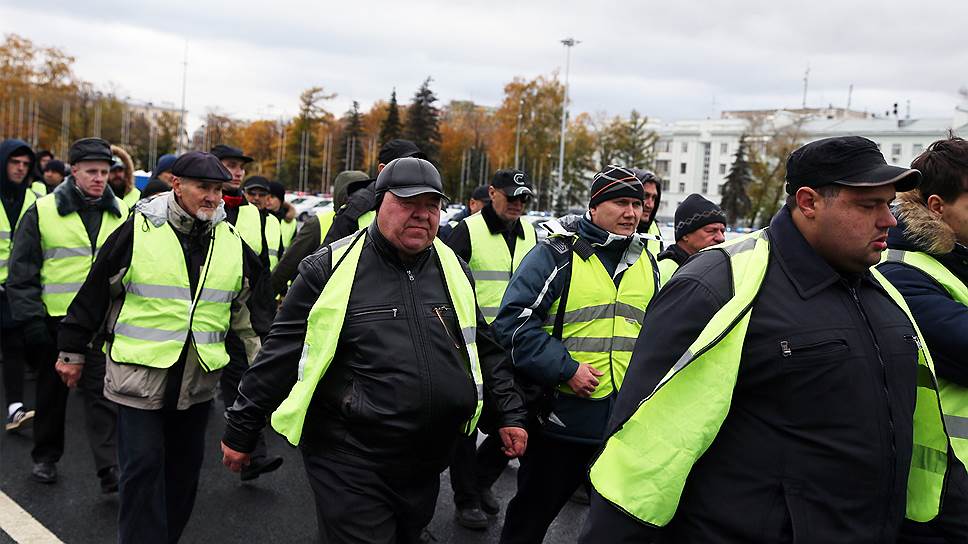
(696, 212)
(615, 182)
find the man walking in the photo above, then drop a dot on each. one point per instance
(377, 363)
(169, 285)
(699, 224)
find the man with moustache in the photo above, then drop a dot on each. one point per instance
(168, 286)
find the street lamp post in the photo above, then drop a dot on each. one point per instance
(517, 134)
(568, 43)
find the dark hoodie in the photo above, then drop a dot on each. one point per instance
(12, 194)
(644, 226)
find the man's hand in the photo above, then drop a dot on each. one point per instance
(69, 374)
(515, 441)
(585, 380)
(234, 460)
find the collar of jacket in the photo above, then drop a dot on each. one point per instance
(165, 208)
(497, 225)
(234, 199)
(388, 252)
(675, 253)
(70, 199)
(809, 273)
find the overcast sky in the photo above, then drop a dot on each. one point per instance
(670, 59)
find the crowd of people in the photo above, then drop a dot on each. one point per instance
(801, 383)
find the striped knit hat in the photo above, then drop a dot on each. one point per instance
(615, 182)
(696, 212)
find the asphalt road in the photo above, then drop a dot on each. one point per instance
(277, 507)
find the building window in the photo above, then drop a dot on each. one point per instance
(685, 147)
(722, 169)
(895, 149)
(664, 146)
(723, 148)
(665, 186)
(916, 149)
(682, 168)
(720, 189)
(706, 151)
(662, 168)
(682, 187)
(705, 187)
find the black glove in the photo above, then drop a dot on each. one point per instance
(36, 334)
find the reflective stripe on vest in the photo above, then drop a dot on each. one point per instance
(655, 246)
(159, 308)
(6, 233)
(67, 251)
(326, 321)
(601, 322)
(491, 262)
(667, 267)
(954, 398)
(644, 475)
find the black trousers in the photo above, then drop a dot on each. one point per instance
(474, 468)
(14, 361)
(161, 454)
(360, 505)
(229, 385)
(100, 414)
(551, 470)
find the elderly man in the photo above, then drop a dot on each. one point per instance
(169, 285)
(699, 224)
(374, 368)
(569, 317)
(780, 391)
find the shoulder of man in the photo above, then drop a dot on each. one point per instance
(710, 268)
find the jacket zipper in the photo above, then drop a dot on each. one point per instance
(788, 350)
(420, 336)
(438, 311)
(370, 312)
(890, 415)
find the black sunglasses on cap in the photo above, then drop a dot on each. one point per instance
(520, 198)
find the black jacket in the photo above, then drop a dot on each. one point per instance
(675, 253)
(445, 228)
(345, 222)
(27, 257)
(817, 444)
(460, 238)
(305, 243)
(12, 197)
(398, 391)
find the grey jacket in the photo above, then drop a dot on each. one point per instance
(102, 295)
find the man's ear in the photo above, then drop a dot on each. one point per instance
(807, 198)
(935, 205)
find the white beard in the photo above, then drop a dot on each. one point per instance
(204, 215)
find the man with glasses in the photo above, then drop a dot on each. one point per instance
(493, 242)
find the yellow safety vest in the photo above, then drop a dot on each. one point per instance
(67, 251)
(954, 397)
(492, 264)
(326, 222)
(6, 233)
(667, 267)
(132, 198)
(287, 230)
(160, 312)
(655, 246)
(644, 465)
(326, 321)
(249, 226)
(39, 188)
(601, 322)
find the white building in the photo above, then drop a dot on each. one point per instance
(695, 156)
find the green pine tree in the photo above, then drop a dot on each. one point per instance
(736, 201)
(351, 143)
(391, 127)
(423, 121)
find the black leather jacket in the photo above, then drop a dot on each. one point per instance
(398, 391)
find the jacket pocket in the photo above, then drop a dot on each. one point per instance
(445, 322)
(378, 313)
(127, 380)
(809, 352)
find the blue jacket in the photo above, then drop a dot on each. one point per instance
(943, 321)
(540, 358)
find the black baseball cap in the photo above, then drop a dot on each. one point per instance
(222, 152)
(481, 193)
(200, 166)
(845, 160)
(256, 182)
(116, 163)
(512, 182)
(397, 148)
(409, 177)
(90, 149)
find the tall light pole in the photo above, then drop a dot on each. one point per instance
(517, 133)
(568, 43)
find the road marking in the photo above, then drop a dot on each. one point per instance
(21, 526)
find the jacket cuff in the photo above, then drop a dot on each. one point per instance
(71, 358)
(568, 370)
(238, 439)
